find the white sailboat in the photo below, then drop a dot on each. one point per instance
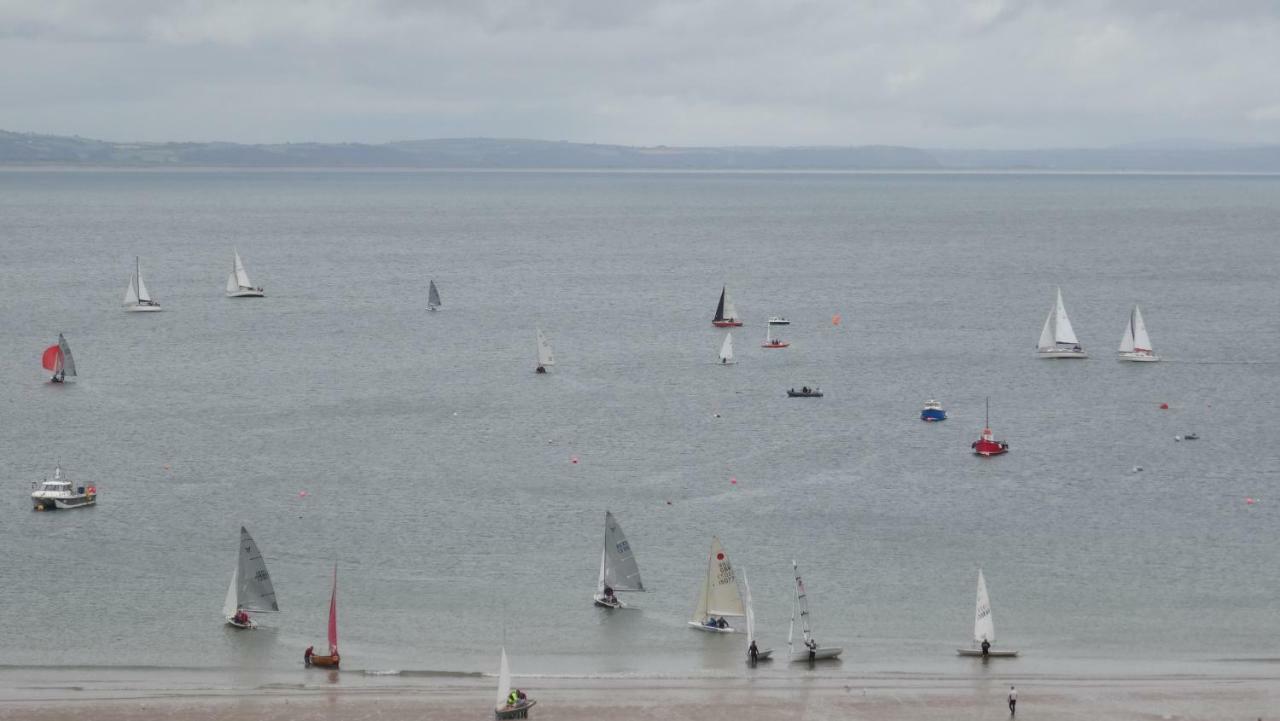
(251, 589)
(504, 708)
(809, 650)
(136, 297)
(433, 297)
(761, 654)
(719, 601)
(1136, 344)
(726, 351)
(545, 356)
(984, 627)
(618, 568)
(1057, 338)
(238, 284)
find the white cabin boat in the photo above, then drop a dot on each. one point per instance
(719, 601)
(1136, 344)
(137, 299)
(251, 590)
(984, 627)
(59, 493)
(809, 649)
(238, 283)
(726, 351)
(1058, 338)
(619, 571)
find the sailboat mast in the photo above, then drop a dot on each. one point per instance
(987, 422)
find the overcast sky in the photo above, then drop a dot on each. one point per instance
(982, 73)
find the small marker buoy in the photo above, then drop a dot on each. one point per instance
(1177, 438)
(733, 481)
(835, 319)
(573, 460)
(1250, 501)
(668, 503)
(1137, 469)
(303, 494)
(1164, 406)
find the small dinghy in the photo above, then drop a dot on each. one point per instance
(238, 283)
(984, 628)
(726, 313)
(932, 412)
(433, 297)
(719, 601)
(57, 358)
(332, 659)
(809, 650)
(137, 299)
(511, 704)
(618, 568)
(987, 445)
(251, 589)
(755, 654)
(1136, 344)
(804, 392)
(726, 351)
(1057, 338)
(546, 358)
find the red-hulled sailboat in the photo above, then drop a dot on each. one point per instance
(987, 445)
(726, 313)
(330, 661)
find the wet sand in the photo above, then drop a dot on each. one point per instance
(883, 698)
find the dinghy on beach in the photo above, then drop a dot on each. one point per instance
(984, 627)
(251, 589)
(332, 659)
(719, 601)
(510, 704)
(760, 654)
(809, 649)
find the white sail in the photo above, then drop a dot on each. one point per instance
(229, 603)
(143, 295)
(730, 310)
(254, 591)
(232, 285)
(726, 349)
(545, 356)
(68, 363)
(719, 595)
(1046, 333)
(242, 278)
(131, 293)
(1141, 341)
(504, 679)
(433, 296)
(620, 570)
(746, 604)
(1126, 343)
(1062, 331)
(984, 627)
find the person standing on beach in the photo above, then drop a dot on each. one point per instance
(1013, 700)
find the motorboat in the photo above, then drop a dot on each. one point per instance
(58, 493)
(932, 412)
(805, 392)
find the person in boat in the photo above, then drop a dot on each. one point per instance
(986, 648)
(710, 623)
(540, 369)
(721, 623)
(521, 695)
(241, 617)
(753, 652)
(513, 698)
(306, 655)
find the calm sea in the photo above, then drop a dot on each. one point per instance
(343, 424)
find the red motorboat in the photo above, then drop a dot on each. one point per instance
(987, 445)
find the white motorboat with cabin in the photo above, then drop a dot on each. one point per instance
(137, 299)
(1136, 344)
(1058, 338)
(238, 283)
(58, 493)
(984, 628)
(809, 649)
(619, 571)
(719, 601)
(251, 590)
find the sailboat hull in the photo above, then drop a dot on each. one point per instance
(520, 710)
(764, 654)
(142, 309)
(247, 293)
(601, 601)
(820, 654)
(236, 624)
(1061, 353)
(727, 323)
(1138, 357)
(326, 661)
(977, 653)
(713, 629)
(776, 344)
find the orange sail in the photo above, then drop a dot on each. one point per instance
(52, 359)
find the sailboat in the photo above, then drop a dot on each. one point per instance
(770, 341)
(726, 313)
(726, 351)
(504, 708)
(1057, 338)
(618, 568)
(136, 297)
(1136, 344)
(987, 445)
(984, 629)
(545, 356)
(433, 297)
(718, 599)
(57, 358)
(809, 650)
(762, 654)
(250, 589)
(332, 659)
(238, 284)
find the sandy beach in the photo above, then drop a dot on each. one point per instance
(905, 698)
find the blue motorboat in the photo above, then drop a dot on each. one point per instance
(932, 411)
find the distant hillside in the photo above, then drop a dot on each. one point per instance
(26, 149)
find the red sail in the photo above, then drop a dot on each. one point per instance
(333, 616)
(52, 358)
